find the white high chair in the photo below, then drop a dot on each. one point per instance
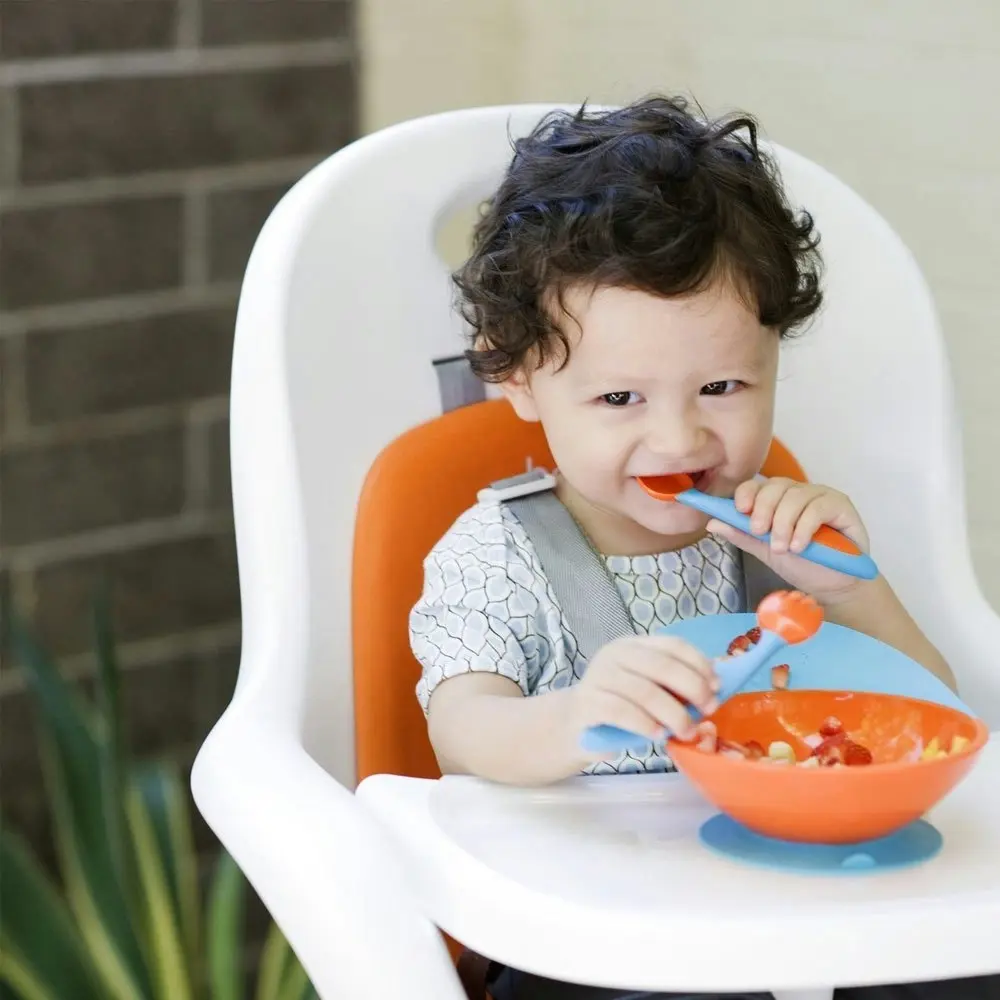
(344, 307)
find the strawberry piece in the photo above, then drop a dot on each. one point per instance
(754, 635)
(739, 645)
(831, 755)
(855, 754)
(779, 676)
(831, 726)
(831, 750)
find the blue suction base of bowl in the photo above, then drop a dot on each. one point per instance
(912, 845)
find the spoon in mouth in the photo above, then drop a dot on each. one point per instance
(829, 547)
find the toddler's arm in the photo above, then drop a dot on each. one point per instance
(481, 723)
(874, 608)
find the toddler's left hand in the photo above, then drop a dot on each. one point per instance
(793, 512)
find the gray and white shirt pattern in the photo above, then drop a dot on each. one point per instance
(487, 606)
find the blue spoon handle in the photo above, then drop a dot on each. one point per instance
(734, 673)
(724, 509)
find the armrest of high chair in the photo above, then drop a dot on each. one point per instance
(322, 866)
(971, 644)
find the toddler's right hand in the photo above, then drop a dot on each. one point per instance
(644, 684)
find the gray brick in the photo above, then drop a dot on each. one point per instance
(123, 126)
(216, 684)
(32, 29)
(175, 357)
(19, 761)
(158, 590)
(9, 136)
(70, 252)
(52, 490)
(227, 22)
(160, 706)
(234, 220)
(6, 611)
(220, 483)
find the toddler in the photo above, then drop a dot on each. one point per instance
(630, 283)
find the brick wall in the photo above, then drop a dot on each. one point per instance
(142, 144)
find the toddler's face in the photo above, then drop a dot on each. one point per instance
(652, 386)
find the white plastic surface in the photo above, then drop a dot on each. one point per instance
(603, 881)
(344, 306)
(322, 864)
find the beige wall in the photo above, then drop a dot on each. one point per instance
(891, 95)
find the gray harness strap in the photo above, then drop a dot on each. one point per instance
(590, 600)
(594, 609)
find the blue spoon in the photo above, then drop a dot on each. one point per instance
(829, 547)
(785, 617)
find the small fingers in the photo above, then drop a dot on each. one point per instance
(673, 675)
(691, 656)
(745, 494)
(787, 515)
(653, 700)
(766, 502)
(615, 709)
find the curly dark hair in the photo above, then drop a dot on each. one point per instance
(651, 197)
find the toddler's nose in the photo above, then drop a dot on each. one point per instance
(675, 440)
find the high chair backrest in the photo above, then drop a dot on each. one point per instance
(344, 308)
(443, 462)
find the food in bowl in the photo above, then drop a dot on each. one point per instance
(919, 751)
(830, 746)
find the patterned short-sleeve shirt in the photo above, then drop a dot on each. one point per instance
(488, 606)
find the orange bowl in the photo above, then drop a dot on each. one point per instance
(832, 805)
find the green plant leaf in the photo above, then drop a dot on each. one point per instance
(122, 978)
(111, 745)
(41, 953)
(166, 802)
(275, 957)
(72, 761)
(296, 983)
(156, 790)
(224, 930)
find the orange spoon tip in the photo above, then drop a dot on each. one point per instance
(792, 615)
(666, 487)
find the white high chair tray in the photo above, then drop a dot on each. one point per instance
(603, 880)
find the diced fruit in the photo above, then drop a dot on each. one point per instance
(959, 743)
(780, 750)
(779, 676)
(831, 726)
(739, 645)
(754, 635)
(855, 754)
(831, 750)
(932, 750)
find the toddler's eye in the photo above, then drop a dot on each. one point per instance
(724, 388)
(620, 398)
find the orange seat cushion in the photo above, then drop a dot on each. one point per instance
(414, 491)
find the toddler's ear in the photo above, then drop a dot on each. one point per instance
(517, 389)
